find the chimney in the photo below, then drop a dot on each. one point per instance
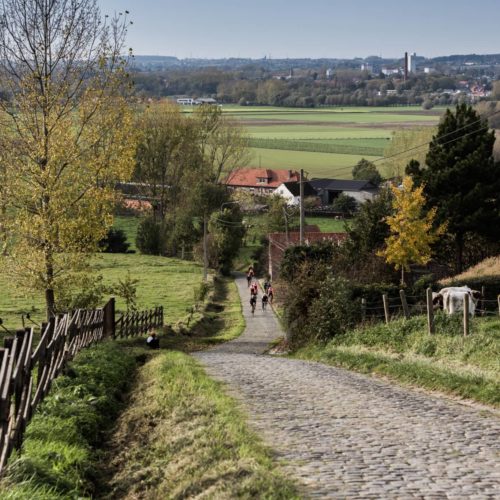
(406, 66)
(289, 175)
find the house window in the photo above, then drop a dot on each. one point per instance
(262, 180)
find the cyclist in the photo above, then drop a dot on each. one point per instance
(253, 302)
(270, 293)
(254, 289)
(264, 301)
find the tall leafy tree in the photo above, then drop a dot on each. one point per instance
(366, 170)
(412, 232)
(461, 178)
(66, 135)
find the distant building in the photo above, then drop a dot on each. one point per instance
(329, 189)
(185, 101)
(412, 63)
(367, 67)
(189, 101)
(260, 180)
(428, 71)
(390, 71)
(329, 73)
(291, 192)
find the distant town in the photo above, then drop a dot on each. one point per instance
(411, 79)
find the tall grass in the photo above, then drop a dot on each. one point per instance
(468, 367)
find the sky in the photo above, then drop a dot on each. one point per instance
(310, 28)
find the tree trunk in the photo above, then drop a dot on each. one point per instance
(459, 244)
(50, 302)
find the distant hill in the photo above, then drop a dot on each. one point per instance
(149, 62)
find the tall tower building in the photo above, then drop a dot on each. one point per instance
(412, 63)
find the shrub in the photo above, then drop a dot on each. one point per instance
(149, 239)
(319, 305)
(115, 242)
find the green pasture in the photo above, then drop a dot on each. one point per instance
(162, 281)
(333, 117)
(315, 132)
(364, 132)
(316, 164)
(234, 109)
(326, 146)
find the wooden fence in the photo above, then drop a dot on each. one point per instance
(138, 322)
(27, 371)
(404, 306)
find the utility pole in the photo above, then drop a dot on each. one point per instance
(285, 213)
(301, 180)
(205, 254)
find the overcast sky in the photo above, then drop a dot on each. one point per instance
(310, 28)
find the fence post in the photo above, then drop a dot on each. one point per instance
(466, 314)
(363, 310)
(430, 311)
(498, 300)
(483, 301)
(406, 311)
(109, 318)
(385, 300)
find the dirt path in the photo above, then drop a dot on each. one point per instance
(345, 435)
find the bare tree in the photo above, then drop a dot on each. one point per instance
(67, 134)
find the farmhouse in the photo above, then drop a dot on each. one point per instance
(329, 189)
(291, 192)
(260, 180)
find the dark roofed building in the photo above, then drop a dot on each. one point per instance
(329, 189)
(291, 191)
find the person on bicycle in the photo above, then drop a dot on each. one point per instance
(253, 302)
(270, 293)
(253, 288)
(249, 279)
(266, 285)
(264, 301)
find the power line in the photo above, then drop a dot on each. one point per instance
(406, 151)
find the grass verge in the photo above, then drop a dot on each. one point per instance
(59, 458)
(182, 437)
(467, 367)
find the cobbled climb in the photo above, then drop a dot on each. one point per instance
(345, 435)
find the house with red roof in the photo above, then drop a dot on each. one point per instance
(260, 180)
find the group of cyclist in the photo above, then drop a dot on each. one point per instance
(267, 296)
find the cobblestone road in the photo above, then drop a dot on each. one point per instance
(344, 435)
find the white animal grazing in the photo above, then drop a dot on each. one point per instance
(451, 299)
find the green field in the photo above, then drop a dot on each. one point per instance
(162, 281)
(326, 142)
(338, 166)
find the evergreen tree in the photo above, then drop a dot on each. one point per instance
(461, 179)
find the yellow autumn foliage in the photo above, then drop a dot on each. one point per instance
(412, 231)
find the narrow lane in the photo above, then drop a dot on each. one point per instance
(346, 435)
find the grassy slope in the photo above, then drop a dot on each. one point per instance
(403, 350)
(188, 439)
